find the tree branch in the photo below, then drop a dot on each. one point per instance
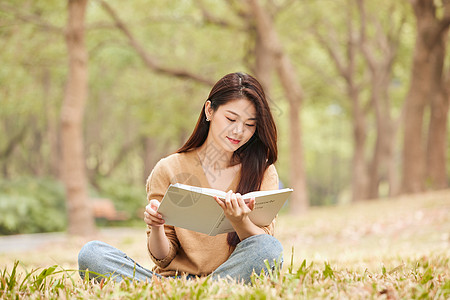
(264, 26)
(12, 143)
(394, 34)
(445, 22)
(150, 61)
(210, 18)
(236, 6)
(29, 18)
(332, 52)
(124, 151)
(363, 43)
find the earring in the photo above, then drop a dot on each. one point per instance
(208, 119)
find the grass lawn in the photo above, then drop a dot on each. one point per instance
(386, 249)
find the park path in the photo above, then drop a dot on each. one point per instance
(46, 249)
(29, 242)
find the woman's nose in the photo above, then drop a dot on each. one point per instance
(238, 128)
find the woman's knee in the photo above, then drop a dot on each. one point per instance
(90, 255)
(267, 247)
(272, 247)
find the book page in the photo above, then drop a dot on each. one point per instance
(268, 206)
(263, 193)
(207, 191)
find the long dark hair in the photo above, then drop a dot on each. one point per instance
(260, 151)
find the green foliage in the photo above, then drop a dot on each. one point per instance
(29, 205)
(128, 198)
(327, 155)
(129, 101)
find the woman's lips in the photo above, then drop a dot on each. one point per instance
(233, 141)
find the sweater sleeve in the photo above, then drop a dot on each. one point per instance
(157, 184)
(270, 182)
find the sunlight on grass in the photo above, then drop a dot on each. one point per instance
(389, 249)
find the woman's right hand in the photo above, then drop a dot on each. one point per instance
(151, 215)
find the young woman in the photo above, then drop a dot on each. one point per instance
(233, 148)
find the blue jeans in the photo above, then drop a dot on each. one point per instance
(248, 257)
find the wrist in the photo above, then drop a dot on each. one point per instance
(242, 223)
(156, 228)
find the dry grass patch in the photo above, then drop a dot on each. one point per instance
(385, 249)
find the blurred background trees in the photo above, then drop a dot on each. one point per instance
(359, 90)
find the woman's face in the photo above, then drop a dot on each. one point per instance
(232, 124)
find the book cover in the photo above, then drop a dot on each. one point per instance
(194, 208)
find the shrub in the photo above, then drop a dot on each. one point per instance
(30, 205)
(126, 197)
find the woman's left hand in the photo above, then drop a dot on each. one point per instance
(235, 208)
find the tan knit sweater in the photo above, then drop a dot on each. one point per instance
(192, 252)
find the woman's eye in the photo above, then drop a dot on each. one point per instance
(250, 125)
(231, 120)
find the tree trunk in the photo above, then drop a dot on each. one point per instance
(360, 178)
(269, 38)
(81, 220)
(299, 202)
(437, 136)
(425, 85)
(264, 64)
(346, 66)
(413, 152)
(379, 166)
(393, 167)
(384, 146)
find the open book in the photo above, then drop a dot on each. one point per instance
(194, 208)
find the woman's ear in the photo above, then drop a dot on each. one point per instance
(208, 110)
